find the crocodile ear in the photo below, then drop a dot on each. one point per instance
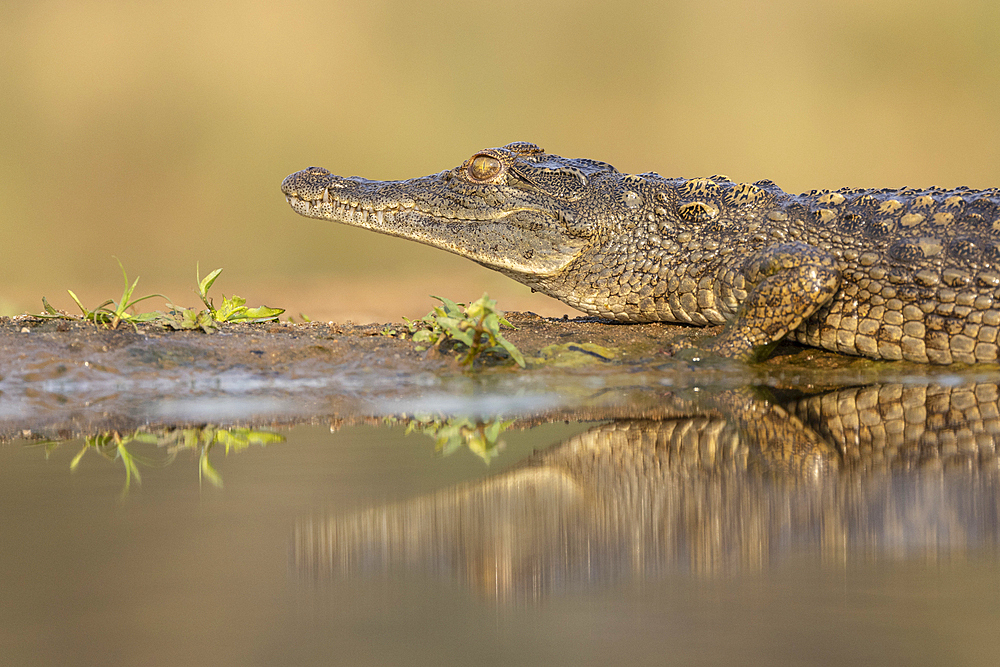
(560, 180)
(561, 183)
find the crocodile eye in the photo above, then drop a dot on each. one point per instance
(484, 167)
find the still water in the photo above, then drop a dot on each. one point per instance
(857, 525)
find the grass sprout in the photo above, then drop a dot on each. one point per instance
(111, 313)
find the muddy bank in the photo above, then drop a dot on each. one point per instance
(73, 377)
(64, 378)
(33, 349)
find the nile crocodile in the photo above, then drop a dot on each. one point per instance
(889, 274)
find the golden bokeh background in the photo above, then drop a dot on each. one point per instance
(158, 133)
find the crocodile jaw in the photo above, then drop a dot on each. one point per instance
(523, 242)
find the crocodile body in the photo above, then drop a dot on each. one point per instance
(888, 274)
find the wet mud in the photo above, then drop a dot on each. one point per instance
(62, 378)
(72, 377)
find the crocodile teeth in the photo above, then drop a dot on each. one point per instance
(326, 196)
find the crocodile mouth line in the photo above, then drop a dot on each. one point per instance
(332, 208)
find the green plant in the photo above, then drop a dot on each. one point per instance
(476, 326)
(103, 314)
(233, 309)
(111, 313)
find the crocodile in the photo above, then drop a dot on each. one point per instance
(910, 274)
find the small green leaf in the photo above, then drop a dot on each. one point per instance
(492, 324)
(48, 308)
(206, 284)
(514, 353)
(462, 336)
(232, 309)
(80, 305)
(264, 313)
(127, 294)
(423, 336)
(450, 307)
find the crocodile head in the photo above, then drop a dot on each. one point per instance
(515, 209)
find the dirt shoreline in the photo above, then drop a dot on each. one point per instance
(61, 378)
(27, 341)
(70, 377)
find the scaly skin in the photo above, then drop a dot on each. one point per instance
(888, 274)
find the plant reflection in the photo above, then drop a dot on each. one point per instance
(114, 446)
(451, 434)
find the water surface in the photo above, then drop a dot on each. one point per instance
(687, 538)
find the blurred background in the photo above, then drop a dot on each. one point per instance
(158, 133)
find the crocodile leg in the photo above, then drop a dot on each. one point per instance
(788, 283)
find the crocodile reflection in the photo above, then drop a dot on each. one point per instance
(741, 481)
